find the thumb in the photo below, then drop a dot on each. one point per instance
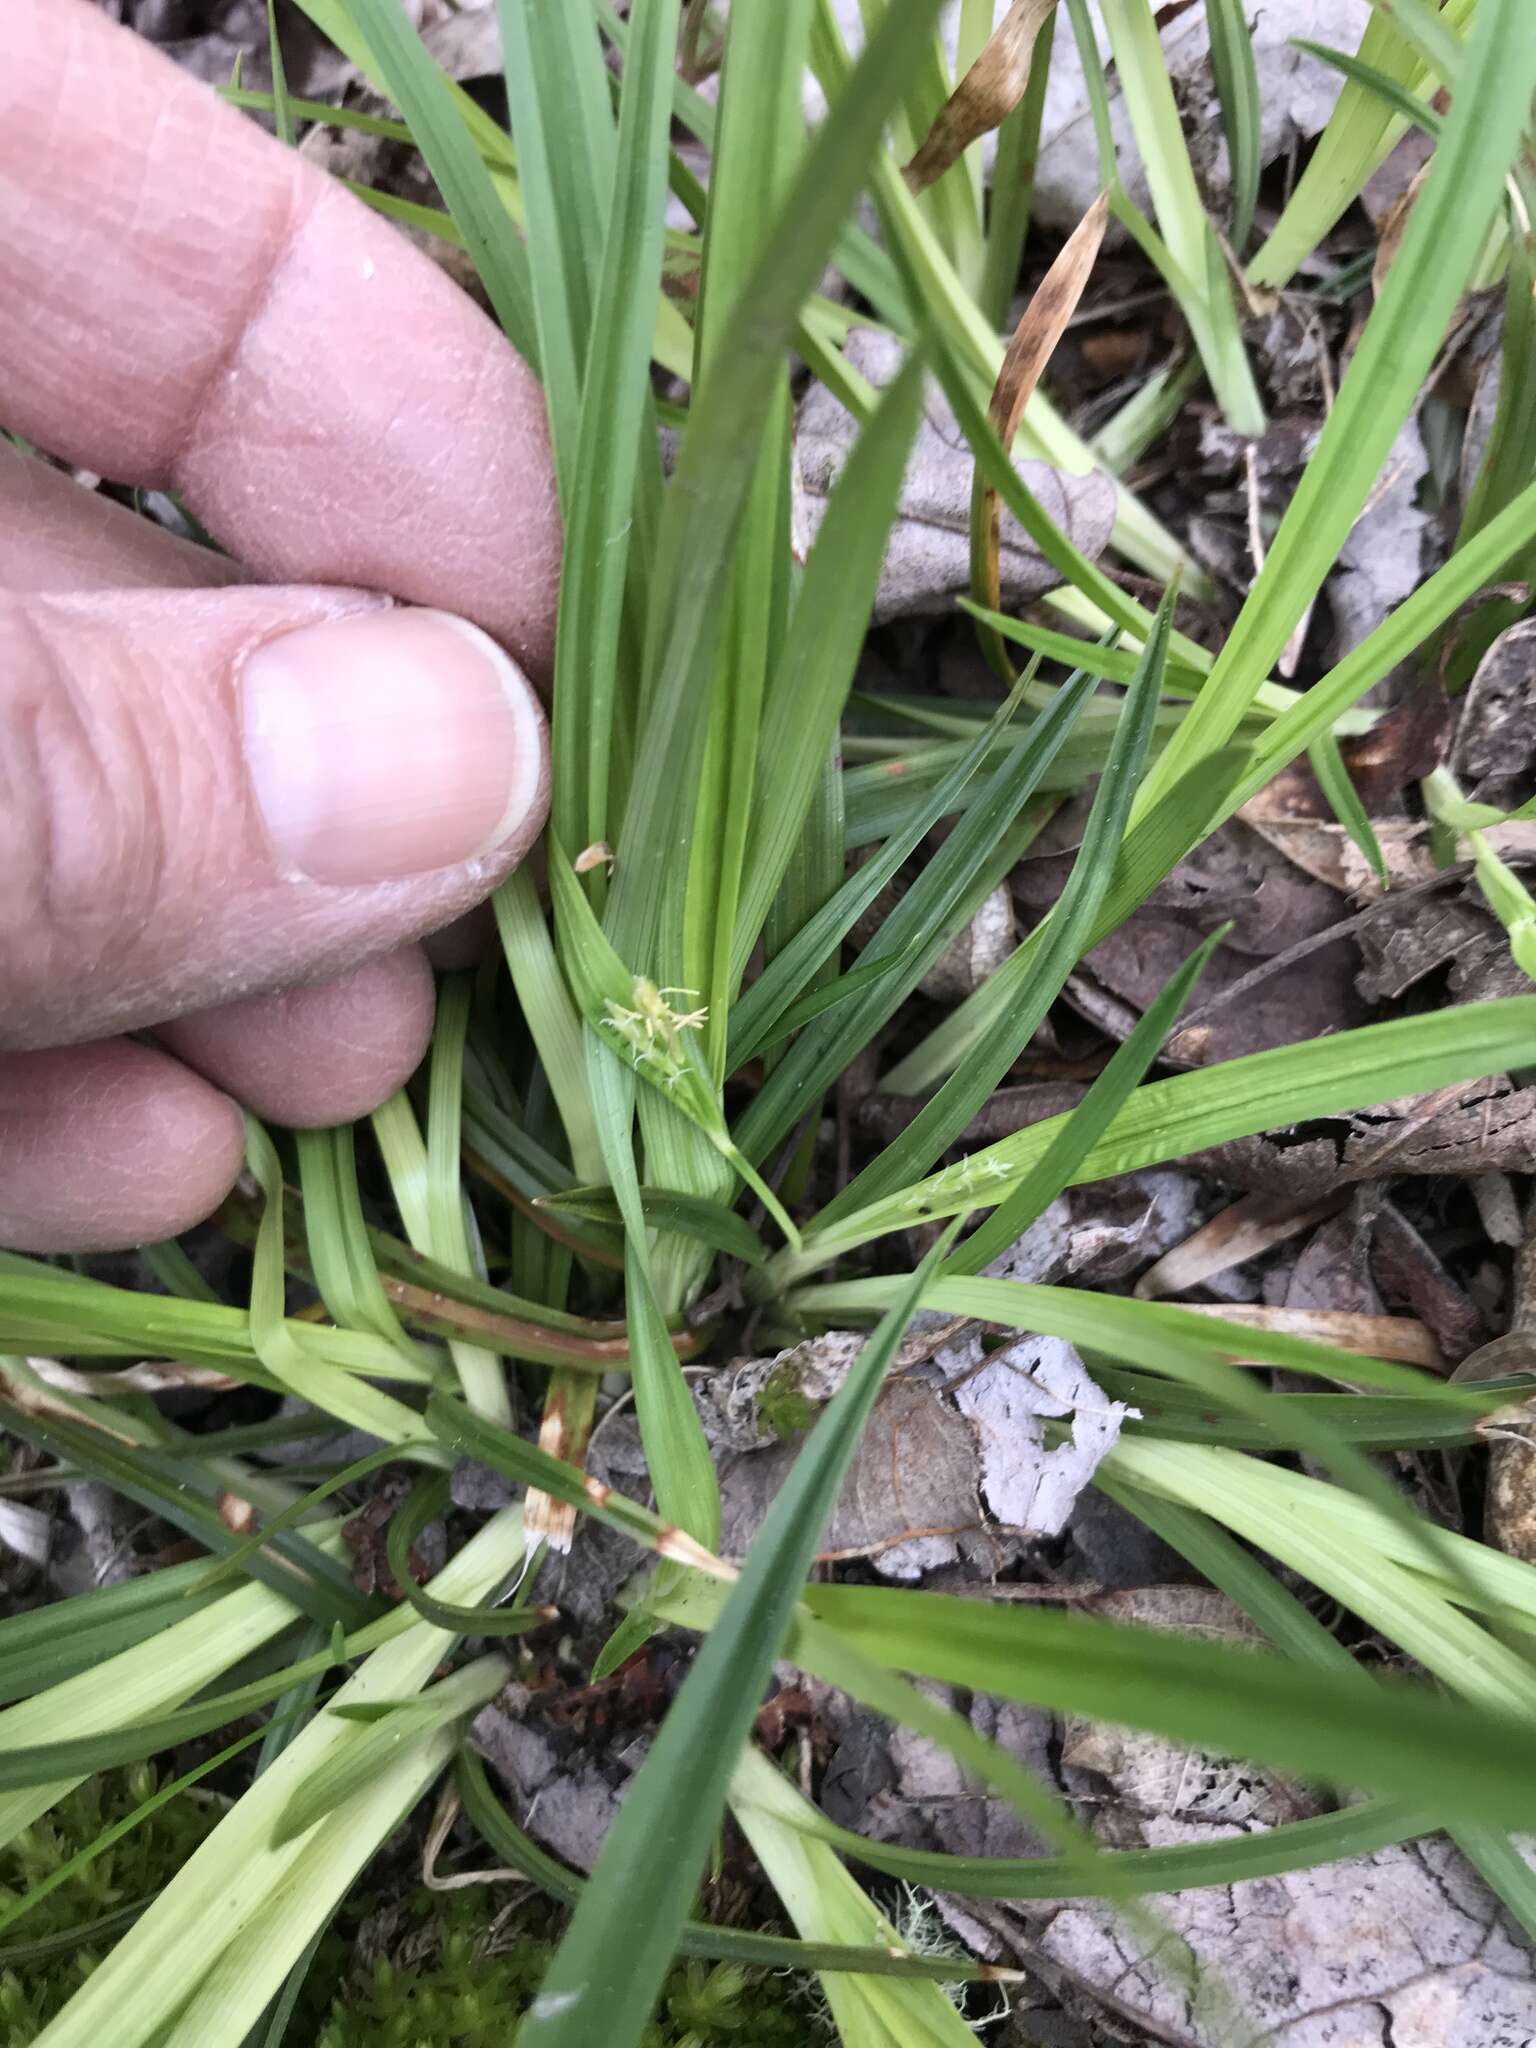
(208, 792)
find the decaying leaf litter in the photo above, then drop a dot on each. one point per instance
(1021, 1468)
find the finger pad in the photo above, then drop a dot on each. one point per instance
(107, 1146)
(325, 1054)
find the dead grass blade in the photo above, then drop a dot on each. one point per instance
(985, 97)
(1041, 327)
(1249, 1226)
(1393, 1337)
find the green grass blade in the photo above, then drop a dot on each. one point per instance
(1403, 1740)
(480, 1371)
(615, 483)
(333, 1392)
(551, 1016)
(1344, 801)
(282, 111)
(340, 1252)
(1392, 91)
(1179, 1342)
(1421, 22)
(721, 1944)
(677, 1454)
(709, 492)
(1369, 1554)
(667, 1209)
(1419, 616)
(1510, 459)
(293, 1565)
(48, 1644)
(1440, 246)
(1170, 1119)
(973, 859)
(1288, 1623)
(1360, 134)
(1208, 795)
(932, 295)
(421, 92)
(827, 1905)
(810, 682)
(562, 126)
(1086, 1124)
(1013, 186)
(372, 1748)
(176, 1272)
(468, 1435)
(766, 1001)
(812, 879)
(1032, 983)
(807, 1008)
(1205, 298)
(1237, 87)
(1275, 1852)
(614, 1957)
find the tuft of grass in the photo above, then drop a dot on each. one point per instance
(620, 1128)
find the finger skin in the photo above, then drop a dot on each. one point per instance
(185, 303)
(59, 536)
(107, 1146)
(140, 881)
(319, 1055)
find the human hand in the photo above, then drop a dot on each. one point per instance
(233, 793)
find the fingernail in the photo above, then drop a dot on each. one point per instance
(389, 744)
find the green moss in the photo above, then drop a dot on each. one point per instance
(453, 1975)
(473, 1980)
(782, 1407)
(37, 1975)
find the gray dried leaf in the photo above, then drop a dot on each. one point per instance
(974, 953)
(1027, 1487)
(928, 560)
(566, 1803)
(1132, 1784)
(1494, 756)
(914, 1471)
(1382, 562)
(1408, 1271)
(1406, 940)
(1330, 1272)
(464, 37)
(1487, 345)
(1296, 96)
(1404, 1947)
(1275, 910)
(743, 1406)
(1244, 1230)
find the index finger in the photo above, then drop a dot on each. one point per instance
(186, 303)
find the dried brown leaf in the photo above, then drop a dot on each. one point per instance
(987, 94)
(1041, 327)
(1394, 1337)
(1249, 1226)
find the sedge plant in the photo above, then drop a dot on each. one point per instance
(620, 1143)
